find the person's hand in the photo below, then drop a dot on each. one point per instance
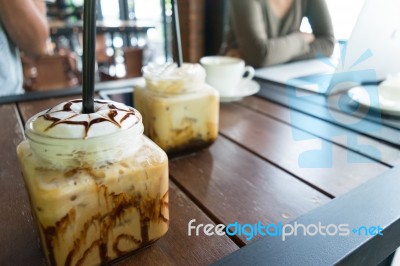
(308, 37)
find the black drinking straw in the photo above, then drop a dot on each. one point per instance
(177, 31)
(89, 47)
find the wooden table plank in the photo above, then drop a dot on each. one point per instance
(235, 185)
(371, 205)
(18, 236)
(274, 141)
(331, 102)
(387, 154)
(306, 105)
(385, 119)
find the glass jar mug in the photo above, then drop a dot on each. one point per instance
(180, 111)
(98, 187)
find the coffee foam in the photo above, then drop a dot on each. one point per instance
(66, 120)
(63, 137)
(169, 78)
(172, 71)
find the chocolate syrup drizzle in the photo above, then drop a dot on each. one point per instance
(147, 208)
(113, 112)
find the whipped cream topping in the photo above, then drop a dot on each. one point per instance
(169, 78)
(66, 121)
(172, 71)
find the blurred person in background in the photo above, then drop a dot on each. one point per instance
(23, 26)
(267, 32)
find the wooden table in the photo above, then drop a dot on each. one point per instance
(250, 174)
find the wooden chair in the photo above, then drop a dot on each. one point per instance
(51, 72)
(133, 62)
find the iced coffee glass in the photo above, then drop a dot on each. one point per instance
(98, 187)
(180, 111)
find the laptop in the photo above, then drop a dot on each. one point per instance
(371, 53)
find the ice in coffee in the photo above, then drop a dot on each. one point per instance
(180, 111)
(98, 187)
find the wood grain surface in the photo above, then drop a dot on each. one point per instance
(334, 109)
(235, 185)
(19, 239)
(274, 141)
(387, 154)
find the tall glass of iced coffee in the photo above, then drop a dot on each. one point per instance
(180, 111)
(98, 188)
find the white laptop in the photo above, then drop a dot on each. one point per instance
(373, 52)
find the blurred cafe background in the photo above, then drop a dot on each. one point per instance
(132, 33)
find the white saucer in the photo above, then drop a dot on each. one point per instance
(247, 88)
(388, 103)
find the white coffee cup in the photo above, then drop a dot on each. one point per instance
(226, 74)
(389, 89)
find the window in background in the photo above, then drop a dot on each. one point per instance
(150, 11)
(78, 3)
(131, 9)
(143, 12)
(344, 15)
(110, 10)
